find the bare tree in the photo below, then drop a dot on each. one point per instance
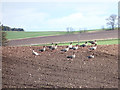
(111, 21)
(70, 29)
(103, 28)
(67, 29)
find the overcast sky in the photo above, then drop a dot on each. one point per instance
(57, 15)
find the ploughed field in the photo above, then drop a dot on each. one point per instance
(52, 69)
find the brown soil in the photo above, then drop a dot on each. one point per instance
(112, 34)
(51, 69)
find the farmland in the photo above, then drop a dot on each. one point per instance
(11, 35)
(20, 35)
(79, 37)
(51, 69)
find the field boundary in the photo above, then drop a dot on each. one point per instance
(65, 38)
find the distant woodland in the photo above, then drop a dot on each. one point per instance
(6, 28)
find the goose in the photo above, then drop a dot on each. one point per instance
(66, 49)
(91, 56)
(70, 46)
(84, 45)
(54, 47)
(72, 56)
(93, 42)
(76, 47)
(50, 46)
(94, 47)
(35, 53)
(43, 49)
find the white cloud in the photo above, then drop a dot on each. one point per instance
(65, 21)
(29, 19)
(71, 18)
(39, 16)
(24, 18)
(77, 20)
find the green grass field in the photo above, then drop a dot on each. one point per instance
(99, 42)
(11, 35)
(19, 35)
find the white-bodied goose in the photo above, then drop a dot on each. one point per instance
(72, 56)
(94, 47)
(54, 47)
(91, 56)
(84, 45)
(66, 49)
(42, 50)
(70, 46)
(93, 42)
(76, 47)
(35, 53)
(50, 46)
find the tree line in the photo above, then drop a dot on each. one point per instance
(3, 34)
(6, 28)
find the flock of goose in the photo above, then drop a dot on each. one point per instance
(70, 46)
